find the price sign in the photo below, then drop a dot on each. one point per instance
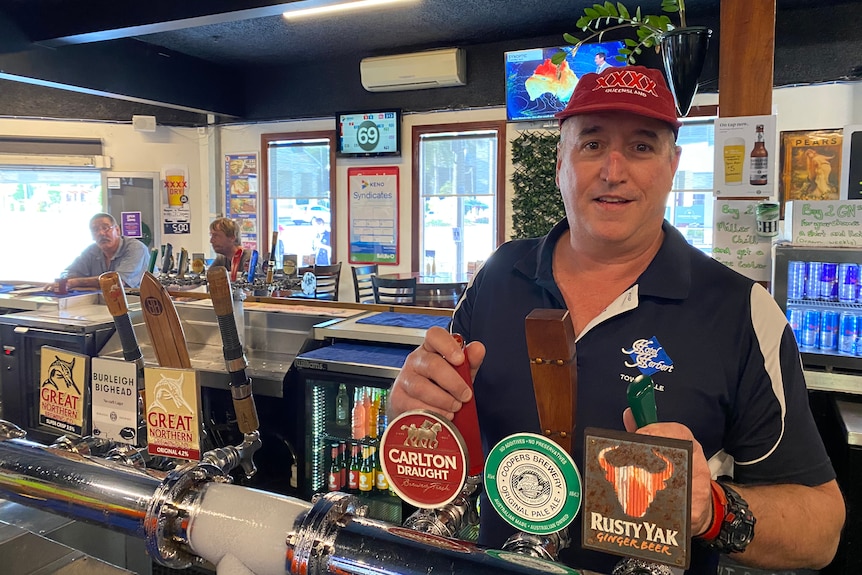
(177, 228)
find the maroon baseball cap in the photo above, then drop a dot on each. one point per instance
(634, 89)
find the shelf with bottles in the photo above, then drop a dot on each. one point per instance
(354, 467)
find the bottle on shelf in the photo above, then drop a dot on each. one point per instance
(382, 418)
(373, 410)
(759, 160)
(366, 472)
(342, 407)
(334, 481)
(343, 463)
(358, 424)
(353, 475)
(381, 483)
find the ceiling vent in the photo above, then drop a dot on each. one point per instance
(418, 71)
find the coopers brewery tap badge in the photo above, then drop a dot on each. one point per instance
(424, 458)
(173, 405)
(61, 389)
(533, 483)
(638, 493)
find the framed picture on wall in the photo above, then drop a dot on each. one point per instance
(810, 166)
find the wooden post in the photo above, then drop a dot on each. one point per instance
(746, 58)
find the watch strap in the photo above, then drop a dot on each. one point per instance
(737, 524)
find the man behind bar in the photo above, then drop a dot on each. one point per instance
(632, 285)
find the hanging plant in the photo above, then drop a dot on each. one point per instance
(536, 203)
(598, 19)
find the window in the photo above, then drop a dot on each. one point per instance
(458, 184)
(298, 181)
(44, 219)
(690, 203)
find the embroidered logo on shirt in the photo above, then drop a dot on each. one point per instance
(649, 356)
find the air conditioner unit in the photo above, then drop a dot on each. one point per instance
(431, 69)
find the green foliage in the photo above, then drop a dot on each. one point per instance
(536, 203)
(602, 18)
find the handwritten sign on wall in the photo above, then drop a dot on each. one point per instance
(735, 240)
(824, 223)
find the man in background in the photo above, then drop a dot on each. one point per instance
(224, 239)
(109, 252)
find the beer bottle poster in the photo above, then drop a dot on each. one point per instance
(115, 400)
(745, 157)
(173, 412)
(62, 388)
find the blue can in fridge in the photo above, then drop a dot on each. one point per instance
(848, 282)
(796, 272)
(848, 327)
(812, 280)
(795, 319)
(829, 321)
(810, 328)
(829, 282)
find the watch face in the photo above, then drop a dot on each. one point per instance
(309, 283)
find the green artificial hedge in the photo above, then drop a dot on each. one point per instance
(536, 203)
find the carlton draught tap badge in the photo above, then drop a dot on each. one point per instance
(61, 391)
(424, 458)
(173, 406)
(637, 503)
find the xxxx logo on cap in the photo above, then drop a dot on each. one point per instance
(626, 78)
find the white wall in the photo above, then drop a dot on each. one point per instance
(202, 150)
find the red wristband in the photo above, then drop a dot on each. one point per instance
(719, 507)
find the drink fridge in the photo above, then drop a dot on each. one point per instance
(345, 387)
(819, 290)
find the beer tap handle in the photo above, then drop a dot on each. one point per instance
(467, 420)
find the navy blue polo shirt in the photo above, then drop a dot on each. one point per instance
(718, 348)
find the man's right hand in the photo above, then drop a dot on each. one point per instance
(429, 380)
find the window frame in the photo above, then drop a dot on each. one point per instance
(498, 126)
(271, 138)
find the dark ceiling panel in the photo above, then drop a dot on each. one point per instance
(242, 59)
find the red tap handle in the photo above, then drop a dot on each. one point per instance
(467, 420)
(234, 264)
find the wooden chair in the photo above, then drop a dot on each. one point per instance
(394, 291)
(440, 295)
(362, 287)
(328, 278)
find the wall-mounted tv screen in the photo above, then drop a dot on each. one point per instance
(369, 134)
(536, 89)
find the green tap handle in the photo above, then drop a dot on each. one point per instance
(641, 398)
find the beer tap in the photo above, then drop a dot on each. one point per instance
(240, 383)
(453, 518)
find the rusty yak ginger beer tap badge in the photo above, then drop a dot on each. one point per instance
(637, 497)
(424, 458)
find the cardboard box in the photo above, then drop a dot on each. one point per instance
(824, 223)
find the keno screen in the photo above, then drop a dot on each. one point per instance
(369, 134)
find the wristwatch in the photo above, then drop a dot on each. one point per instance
(736, 529)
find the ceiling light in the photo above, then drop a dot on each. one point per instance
(328, 7)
